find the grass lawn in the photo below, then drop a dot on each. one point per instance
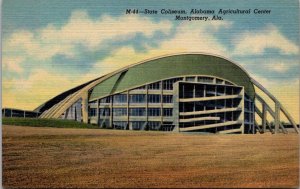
(92, 158)
(39, 122)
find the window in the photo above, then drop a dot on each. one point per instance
(219, 81)
(205, 79)
(94, 103)
(153, 98)
(228, 83)
(228, 103)
(141, 88)
(247, 117)
(167, 98)
(168, 84)
(220, 90)
(190, 78)
(154, 86)
(137, 111)
(236, 103)
(229, 91)
(120, 98)
(92, 112)
(137, 125)
(104, 112)
(189, 91)
(210, 90)
(104, 123)
(120, 112)
(105, 100)
(220, 104)
(167, 112)
(153, 111)
(137, 98)
(154, 125)
(199, 90)
(120, 124)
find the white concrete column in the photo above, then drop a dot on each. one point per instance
(97, 111)
(85, 107)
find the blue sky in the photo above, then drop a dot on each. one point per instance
(62, 43)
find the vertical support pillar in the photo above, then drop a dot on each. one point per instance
(242, 116)
(111, 111)
(264, 117)
(97, 111)
(128, 123)
(161, 104)
(147, 106)
(253, 117)
(277, 117)
(194, 103)
(176, 111)
(85, 107)
(216, 87)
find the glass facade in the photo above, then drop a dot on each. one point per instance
(137, 125)
(92, 112)
(154, 125)
(158, 105)
(153, 98)
(167, 98)
(120, 125)
(154, 112)
(168, 112)
(120, 112)
(137, 98)
(154, 86)
(120, 98)
(137, 111)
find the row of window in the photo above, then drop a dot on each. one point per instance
(138, 98)
(104, 112)
(209, 105)
(249, 105)
(137, 125)
(166, 85)
(188, 90)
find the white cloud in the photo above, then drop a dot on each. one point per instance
(28, 93)
(42, 44)
(281, 67)
(271, 65)
(91, 33)
(12, 64)
(197, 37)
(256, 42)
(29, 44)
(189, 37)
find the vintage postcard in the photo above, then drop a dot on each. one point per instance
(150, 94)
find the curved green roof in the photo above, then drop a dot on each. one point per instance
(172, 66)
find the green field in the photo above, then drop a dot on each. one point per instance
(92, 158)
(38, 122)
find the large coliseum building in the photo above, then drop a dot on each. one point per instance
(182, 92)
